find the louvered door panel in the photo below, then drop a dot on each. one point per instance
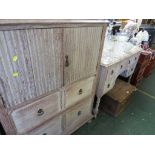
(81, 51)
(30, 63)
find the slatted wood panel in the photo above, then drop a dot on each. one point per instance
(37, 68)
(81, 45)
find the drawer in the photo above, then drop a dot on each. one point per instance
(130, 70)
(133, 60)
(112, 72)
(111, 78)
(122, 66)
(129, 62)
(32, 115)
(78, 115)
(109, 85)
(54, 127)
(78, 91)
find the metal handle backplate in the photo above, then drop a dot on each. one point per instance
(80, 91)
(66, 61)
(40, 112)
(79, 113)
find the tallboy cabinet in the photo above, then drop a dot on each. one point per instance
(48, 74)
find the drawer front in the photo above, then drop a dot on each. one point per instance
(132, 61)
(53, 127)
(78, 115)
(122, 66)
(129, 62)
(78, 91)
(111, 78)
(112, 72)
(129, 71)
(32, 115)
(135, 59)
(109, 85)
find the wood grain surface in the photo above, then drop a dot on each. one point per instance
(81, 45)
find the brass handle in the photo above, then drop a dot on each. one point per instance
(66, 61)
(79, 113)
(112, 72)
(40, 112)
(80, 91)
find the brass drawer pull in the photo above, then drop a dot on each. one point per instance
(79, 113)
(80, 91)
(66, 61)
(112, 72)
(40, 112)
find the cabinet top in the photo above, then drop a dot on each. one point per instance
(8, 24)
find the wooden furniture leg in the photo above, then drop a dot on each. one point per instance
(5, 120)
(95, 110)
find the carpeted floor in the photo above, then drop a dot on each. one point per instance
(137, 119)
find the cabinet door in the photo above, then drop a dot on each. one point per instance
(81, 52)
(30, 62)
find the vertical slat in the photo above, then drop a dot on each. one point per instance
(5, 90)
(27, 64)
(33, 55)
(58, 57)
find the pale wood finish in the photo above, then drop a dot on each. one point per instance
(80, 113)
(101, 81)
(39, 63)
(79, 125)
(41, 47)
(26, 117)
(53, 127)
(46, 23)
(97, 69)
(5, 120)
(81, 45)
(78, 91)
(52, 21)
(109, 74)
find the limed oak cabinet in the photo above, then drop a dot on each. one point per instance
(48, 74)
